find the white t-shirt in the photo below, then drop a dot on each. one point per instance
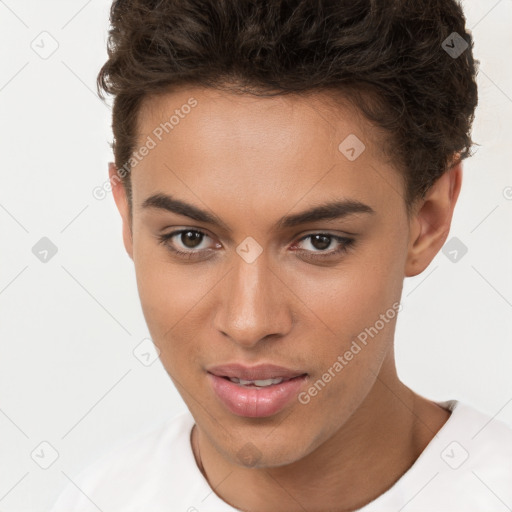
(467, 467)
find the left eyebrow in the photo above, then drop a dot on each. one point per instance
(325, 211)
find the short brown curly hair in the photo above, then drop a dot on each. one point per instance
(389, 57)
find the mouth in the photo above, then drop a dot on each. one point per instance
(260, 383)
(257, 373)
(255, 392)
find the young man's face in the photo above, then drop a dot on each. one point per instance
(256, 292)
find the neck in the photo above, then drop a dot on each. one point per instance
(366, 456)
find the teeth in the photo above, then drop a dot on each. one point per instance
(259, 383)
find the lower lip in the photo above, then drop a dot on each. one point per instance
(254, 402)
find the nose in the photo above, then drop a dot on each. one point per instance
(255, 304)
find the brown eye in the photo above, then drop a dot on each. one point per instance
(191, 239)
(185, 243)
(322, 241)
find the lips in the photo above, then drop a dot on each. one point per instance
(257, 391)
(252, 373)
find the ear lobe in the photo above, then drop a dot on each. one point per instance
(119, 193)
(430, 224)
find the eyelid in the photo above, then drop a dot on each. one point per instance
(328, 231)
(299, 236)
(345, 243)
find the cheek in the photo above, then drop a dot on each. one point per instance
(170, 294)
(354, 310)
(349, 346)
(356, 327)
(342, 301)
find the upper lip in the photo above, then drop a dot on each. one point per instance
(258, 372)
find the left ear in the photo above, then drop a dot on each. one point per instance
(430, 223)
(119, 193)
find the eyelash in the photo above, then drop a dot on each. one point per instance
(345, 245)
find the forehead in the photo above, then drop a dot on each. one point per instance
(219, 116)
(255, 151)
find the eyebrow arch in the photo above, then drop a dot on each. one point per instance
(325, 211)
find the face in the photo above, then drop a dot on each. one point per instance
(255, 284)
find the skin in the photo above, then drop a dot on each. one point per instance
(250, 160)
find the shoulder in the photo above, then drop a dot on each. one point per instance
(466, 466)
(486, 443)
(487, 439)
(476, 453)
(135, 471)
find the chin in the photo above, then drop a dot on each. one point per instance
(272, 448)
(250, 457)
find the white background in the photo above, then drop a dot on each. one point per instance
(68, 327)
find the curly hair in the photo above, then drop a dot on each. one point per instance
(388, 57)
